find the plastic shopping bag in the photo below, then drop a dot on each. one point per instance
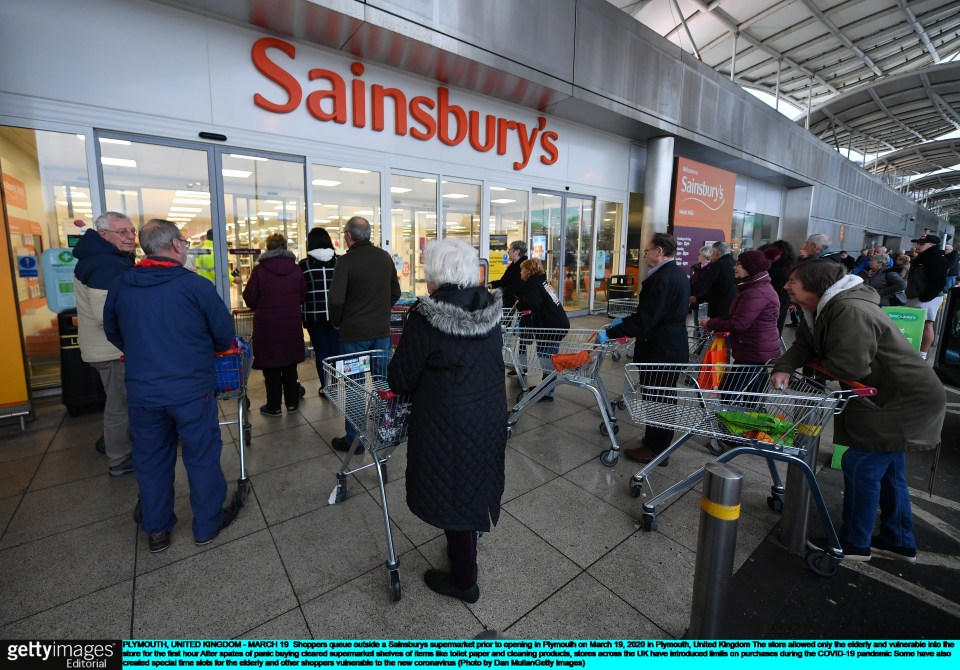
(563, 362)
(758, 426)
(711, 374)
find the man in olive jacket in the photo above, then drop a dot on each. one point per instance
(844, 330)
(364, 289)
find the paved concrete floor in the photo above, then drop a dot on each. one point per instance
(566, 561)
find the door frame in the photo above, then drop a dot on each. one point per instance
(563, 222)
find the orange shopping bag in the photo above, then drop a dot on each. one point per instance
(711, 374)
(563, 362)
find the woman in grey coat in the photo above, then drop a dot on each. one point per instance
(845, 331)
(885, 280)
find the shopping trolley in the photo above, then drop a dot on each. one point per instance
(748, 413)
(233, 372)
(571, 357)
(357, 386)
(617, 308)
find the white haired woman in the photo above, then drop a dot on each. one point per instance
(449, 360)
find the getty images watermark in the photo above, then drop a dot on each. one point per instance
(74, 654)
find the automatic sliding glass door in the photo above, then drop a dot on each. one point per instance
(561, 235)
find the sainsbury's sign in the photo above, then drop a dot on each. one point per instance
(422, 117)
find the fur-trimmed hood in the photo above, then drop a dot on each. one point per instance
(275, 253)
(462, 312)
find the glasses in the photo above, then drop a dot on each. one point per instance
(646, 251)
(182, 241)
(122, 232)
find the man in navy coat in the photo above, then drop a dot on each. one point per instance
(659, 326)
(168, 322)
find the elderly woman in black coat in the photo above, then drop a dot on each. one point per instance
(449, 360)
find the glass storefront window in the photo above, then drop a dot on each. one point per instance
(461, 212)
(508, 222)
(413, 212)
(577, 255)
(46, 193)
(751, 230)
(607, 259)
(342, 192)
(545, 240)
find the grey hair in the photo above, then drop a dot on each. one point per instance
(451, 261)
(359, 228)
(882, 259)
(157, 235)
(820, 240)
(108, 217)
(519, 245)
(722, 248)
(705, 250)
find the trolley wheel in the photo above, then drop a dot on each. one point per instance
(610, 457)
(823, 564)
(636, 488)
(303, 391)
(509, 432)
(715, 447)
(341, 489)
(247, 436)
(395, 585)
(649, 522)
(621, 404)
(775, 503)
(520, 396)
(242, 493)
(615, 356)
(605, 433)
(137, 512)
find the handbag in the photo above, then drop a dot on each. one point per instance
(898, 299)
(711, 372)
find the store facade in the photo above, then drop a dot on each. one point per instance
(230, 130)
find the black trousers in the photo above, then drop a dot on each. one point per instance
(657, 438)
(462, 550)
(282, 383)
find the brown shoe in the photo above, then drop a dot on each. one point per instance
(644, 455)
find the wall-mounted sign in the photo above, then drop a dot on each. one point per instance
(332, 98)
(27, 266)
(702, 207)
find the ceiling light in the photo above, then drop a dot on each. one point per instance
(326, 182)
(193, 194)
(118, 162)
(318, 204)
(240, 174)
(63, 202)
(431, 216)
(247, 158)
(357, 170)
(107, 140)
(497, 188)
(188, 201)
(399, 209)
(429, 180)
(186, 209)
(400, 189)
(455, 195)
(502, 201)
(363, 212)
(266, 215)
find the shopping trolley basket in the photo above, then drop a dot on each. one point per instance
(357, 386)
(746, 412)
(233, 372)
(571, 357)
(617, 308)
(243, 325)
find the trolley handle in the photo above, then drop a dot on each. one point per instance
(386, 395)
(858, 389)
(235, 312)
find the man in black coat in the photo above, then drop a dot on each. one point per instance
(717, 286)
(659, 326)
(511, 281)
(925, 284)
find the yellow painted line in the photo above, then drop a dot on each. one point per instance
(718, 511)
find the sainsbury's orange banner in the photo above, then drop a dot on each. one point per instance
(703, 196)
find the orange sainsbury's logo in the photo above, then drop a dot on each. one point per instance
(422, 117)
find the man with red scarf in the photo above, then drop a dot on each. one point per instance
(168, 322)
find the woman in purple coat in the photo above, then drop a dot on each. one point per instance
(275, 292)
(752, 321)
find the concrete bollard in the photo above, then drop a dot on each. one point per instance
(716, 545)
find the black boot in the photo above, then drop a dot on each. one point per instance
(441, 581)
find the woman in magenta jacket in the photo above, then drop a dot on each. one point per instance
(752, 322)
(274, 293)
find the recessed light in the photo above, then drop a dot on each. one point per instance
(325, 182)
(455, 195)
(118, 162)
(357, 170)
(497, 188)
(502, 201)
(107, 140)
(400, 189)
(240, 174)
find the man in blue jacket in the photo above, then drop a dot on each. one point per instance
(102, 255)
(168, 322)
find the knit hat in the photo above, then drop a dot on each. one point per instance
(754, 262)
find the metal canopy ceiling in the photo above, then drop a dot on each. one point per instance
(876, 75)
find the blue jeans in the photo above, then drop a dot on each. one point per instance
(351, 348)
(155, 431)
(325, 341)
(872, 479)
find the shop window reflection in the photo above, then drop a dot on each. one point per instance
(413, 213)
(343, 192)
(508, 222)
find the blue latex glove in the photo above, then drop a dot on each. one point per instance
(614, 323)
(602, 336)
